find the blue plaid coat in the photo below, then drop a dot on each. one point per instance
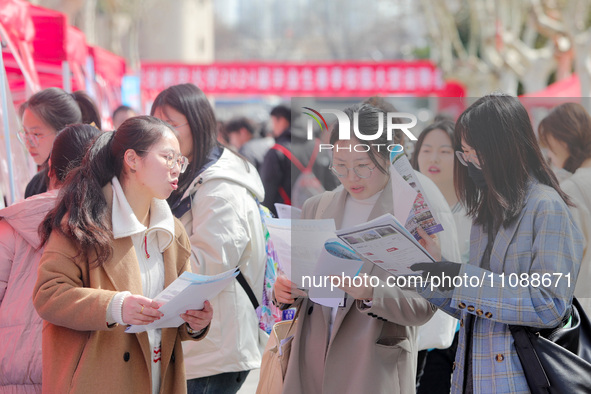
(545, 241)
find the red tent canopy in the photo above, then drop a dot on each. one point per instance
(109, 70)
(569, 87)
(18, 31)
(108, 65)
(566, 90)
(54, 43)
(40, 41)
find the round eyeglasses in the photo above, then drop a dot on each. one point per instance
(172, 159)
(466, 158)
(32, 139)
(362, 170)
(180, 125)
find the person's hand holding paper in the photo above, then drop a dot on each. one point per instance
(431, 243)
(198, 319)
(286, 291)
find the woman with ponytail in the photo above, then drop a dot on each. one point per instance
(111, 245)
(43, 116)
(20, 325)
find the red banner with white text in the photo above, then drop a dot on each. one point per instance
(417, 78)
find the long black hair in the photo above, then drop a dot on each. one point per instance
(190, 101)
(498, 128)
(82, 213)
(69, 148)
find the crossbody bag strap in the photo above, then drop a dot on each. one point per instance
(530, 361)
(242, 280)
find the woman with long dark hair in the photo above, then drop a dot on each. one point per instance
(217, 203)
(522, 233)
(20, 325)
(43, 115)
(111, 245)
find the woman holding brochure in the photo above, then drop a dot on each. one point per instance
(217, 203)
(111, 245)
(522, 229)
(20, 325)
(369, 344)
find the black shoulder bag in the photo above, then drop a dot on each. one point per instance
(556, 360)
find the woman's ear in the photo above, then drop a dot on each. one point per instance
(50, 172)
(131, 158)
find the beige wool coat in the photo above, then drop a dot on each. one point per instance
(80, 353)
(371, 350)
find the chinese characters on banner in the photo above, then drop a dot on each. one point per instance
(289, 79)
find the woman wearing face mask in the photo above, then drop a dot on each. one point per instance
(521, 226)
(43, 115)
(369, 345)
(111, 245)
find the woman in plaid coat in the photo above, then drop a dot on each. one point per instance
(525, 249)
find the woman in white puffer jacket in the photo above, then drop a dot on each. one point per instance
(20, 325)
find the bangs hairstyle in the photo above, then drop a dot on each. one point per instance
(498, 127)
(190, 101)
(368, 125)
(569, 123)
(445, 125)
(57, 108)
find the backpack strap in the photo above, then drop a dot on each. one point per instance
(295, 160)
(290, 156)
(314, 154)
(284, 195)
(242, 280)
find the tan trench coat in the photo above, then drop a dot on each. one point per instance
(80, 353)
(370, 350)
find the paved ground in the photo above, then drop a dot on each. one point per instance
(250, 386)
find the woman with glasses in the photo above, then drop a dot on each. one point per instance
(523, 238)
(43, 115)
(217, 202)
(112, 245)
(369, 344)
(20, 325)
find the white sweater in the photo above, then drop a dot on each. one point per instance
(149, 244)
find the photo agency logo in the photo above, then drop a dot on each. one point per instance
(393, 122)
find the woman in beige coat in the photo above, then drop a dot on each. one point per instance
(111, 245)
(368, 345)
